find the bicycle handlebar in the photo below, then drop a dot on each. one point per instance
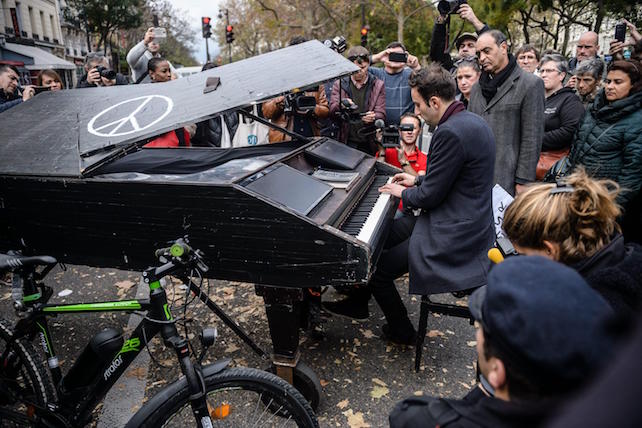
(181, 252)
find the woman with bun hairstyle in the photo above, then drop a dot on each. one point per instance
(574, 222)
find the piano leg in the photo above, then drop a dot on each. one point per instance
(283, 310)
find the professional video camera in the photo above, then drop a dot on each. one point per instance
(337, 44)
(296, 102)
(390, 133)
(106, 72)
(449, 7)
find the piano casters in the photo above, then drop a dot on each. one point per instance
(283, 310)
(428, 306)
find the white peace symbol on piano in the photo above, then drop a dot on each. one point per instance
(116, 128)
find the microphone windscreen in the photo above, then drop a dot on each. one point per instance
(495, 255)
(379, 123)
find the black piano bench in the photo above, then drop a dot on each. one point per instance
(428, 306)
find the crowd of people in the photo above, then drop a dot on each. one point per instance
(563, 136)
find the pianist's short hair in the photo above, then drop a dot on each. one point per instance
(432, 81)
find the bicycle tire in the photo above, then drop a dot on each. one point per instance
(23, 380)
(278, 402)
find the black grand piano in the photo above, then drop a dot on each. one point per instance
(75, 183)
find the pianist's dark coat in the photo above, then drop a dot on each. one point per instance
(451, 238)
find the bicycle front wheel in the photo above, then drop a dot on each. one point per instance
(236, 397)
(25, 385)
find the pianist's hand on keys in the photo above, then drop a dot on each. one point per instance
(398, 184)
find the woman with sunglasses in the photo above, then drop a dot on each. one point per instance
(575, 223)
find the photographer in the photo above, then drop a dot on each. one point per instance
(465, 43)
(99, 73)
(9, 81)
(406, 155)
(358, 100)
(398, 64)
(297, 112)
(141, 53)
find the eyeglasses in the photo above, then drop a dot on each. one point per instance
(548, 70)
(360, 58)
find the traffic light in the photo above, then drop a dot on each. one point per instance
(364, 35)
(229, 34)
(207, 27)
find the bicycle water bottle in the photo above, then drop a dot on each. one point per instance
(101, 349)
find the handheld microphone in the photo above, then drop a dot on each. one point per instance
(495, 256)
(379, 123)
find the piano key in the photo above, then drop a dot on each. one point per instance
(366, 217)
(374, 218)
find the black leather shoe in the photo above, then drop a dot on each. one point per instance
(406, 338)
(348, 308)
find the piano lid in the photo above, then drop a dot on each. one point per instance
(70, 132)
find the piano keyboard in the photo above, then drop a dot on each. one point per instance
(367, 216)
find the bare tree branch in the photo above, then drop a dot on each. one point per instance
(269, 9)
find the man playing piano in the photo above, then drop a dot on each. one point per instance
(444, 248)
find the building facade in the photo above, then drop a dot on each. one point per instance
(29, 24)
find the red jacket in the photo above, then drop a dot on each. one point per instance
(169, 139)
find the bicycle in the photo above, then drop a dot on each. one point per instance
(207, 395)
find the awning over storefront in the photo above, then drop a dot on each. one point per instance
(41, 58)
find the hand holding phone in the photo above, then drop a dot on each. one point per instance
(398, 57)
(620, 32)
(160, 33)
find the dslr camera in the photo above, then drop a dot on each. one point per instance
(106, 72)
(449, 7)
(349, 112)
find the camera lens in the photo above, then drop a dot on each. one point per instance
(108, 74)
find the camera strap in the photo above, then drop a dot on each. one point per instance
(142, 77)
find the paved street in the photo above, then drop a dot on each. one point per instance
(362, 375)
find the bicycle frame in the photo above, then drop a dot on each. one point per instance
(76, 405)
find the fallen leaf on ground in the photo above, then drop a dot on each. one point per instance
(231, 348)
(125, 284)
(368, 334)
(379, 391)
(343, 404)
(378, 382)
(138, 372)
(323, 382)
(418, 393)
(435, 333)
(471, 343)
(355, 420)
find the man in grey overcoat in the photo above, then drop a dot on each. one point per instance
(512, 102)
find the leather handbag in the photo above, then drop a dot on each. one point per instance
(547, 159)
(560, 169)
(563, 167)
